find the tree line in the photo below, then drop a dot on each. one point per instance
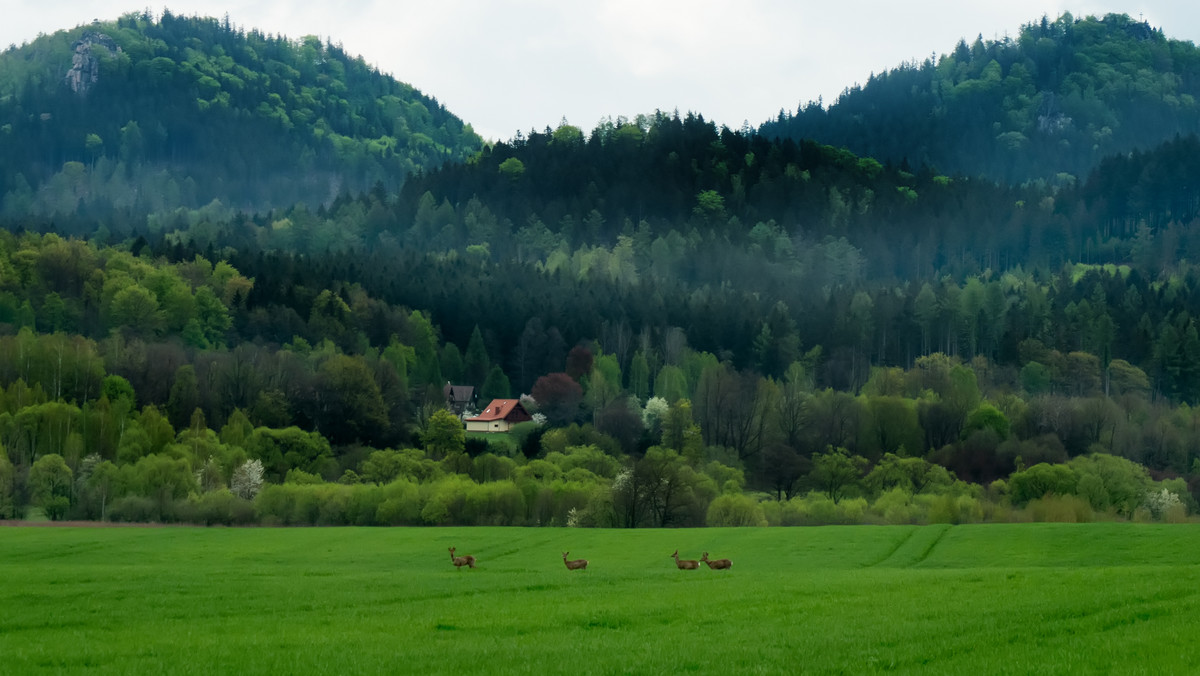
(169, 405)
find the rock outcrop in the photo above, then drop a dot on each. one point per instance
(85, 63)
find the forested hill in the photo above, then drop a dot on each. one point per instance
(146, 114)
(1054, 100)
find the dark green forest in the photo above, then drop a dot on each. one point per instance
(148, 114)
(1047, 104)
(712, 326)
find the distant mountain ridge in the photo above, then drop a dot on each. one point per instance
(1052, 102)
(147, 114)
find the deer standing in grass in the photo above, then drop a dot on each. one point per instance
(460, 561)
(577, 564)
(685, 564)
(719, 564)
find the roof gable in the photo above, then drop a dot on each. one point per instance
(504, 409)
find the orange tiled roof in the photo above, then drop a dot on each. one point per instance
(497, 410)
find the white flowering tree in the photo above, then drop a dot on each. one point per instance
(247, 479)
(652, 415)
(1161, 502)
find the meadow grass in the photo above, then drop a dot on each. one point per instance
(985, 599)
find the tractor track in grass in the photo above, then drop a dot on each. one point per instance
(914, 549)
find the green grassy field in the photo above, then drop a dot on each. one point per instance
(988, 599)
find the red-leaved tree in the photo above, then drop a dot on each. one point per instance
(558, 397)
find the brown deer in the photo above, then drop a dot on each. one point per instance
(719, 564)
(685, 564)
(460, 561)
(577, 564)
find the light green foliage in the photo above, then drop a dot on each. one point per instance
(679, 431)
(1110, 482)
(298, 477)
(443, 434)
(115, 387)
(731, 480)
(1040, 480)
(567, 134)
(671, 384)
(490, 467)
(590, 458)
(952, 509)
(837, 473)
(735, 510)
(512, 169)
(7, 506)
(896, 507)
(562, 438)
(910, 475)
(50, 485)
(387, 465)
(284, 449)
(237, 429)
(1060, 509)
(136, 309)
(986, 417)
(639, 376)
(815, 508)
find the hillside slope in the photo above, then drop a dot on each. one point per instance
(1054, 100)
(146, 114)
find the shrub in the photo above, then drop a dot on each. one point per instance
(773, 511)
(598, 513)
(551, 504)
(273, 505)
(953, 509)
(401, 505)
(1040, 480)
(7, 504)
(1061, 509)
(1176, 513)
(362, 508)
(333, 502)
(133, 509)
(490, 467)
(896, 507)
(218, 507)
(298, 477)
(852, 511)
(445, 500)
(817, 509)
(735, 510)
(1158, 502)
(497, 503)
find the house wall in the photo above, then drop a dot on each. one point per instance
(489, 426)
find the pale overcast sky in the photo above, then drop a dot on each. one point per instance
(504, 65)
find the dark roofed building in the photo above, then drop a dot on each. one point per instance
(459, 397)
